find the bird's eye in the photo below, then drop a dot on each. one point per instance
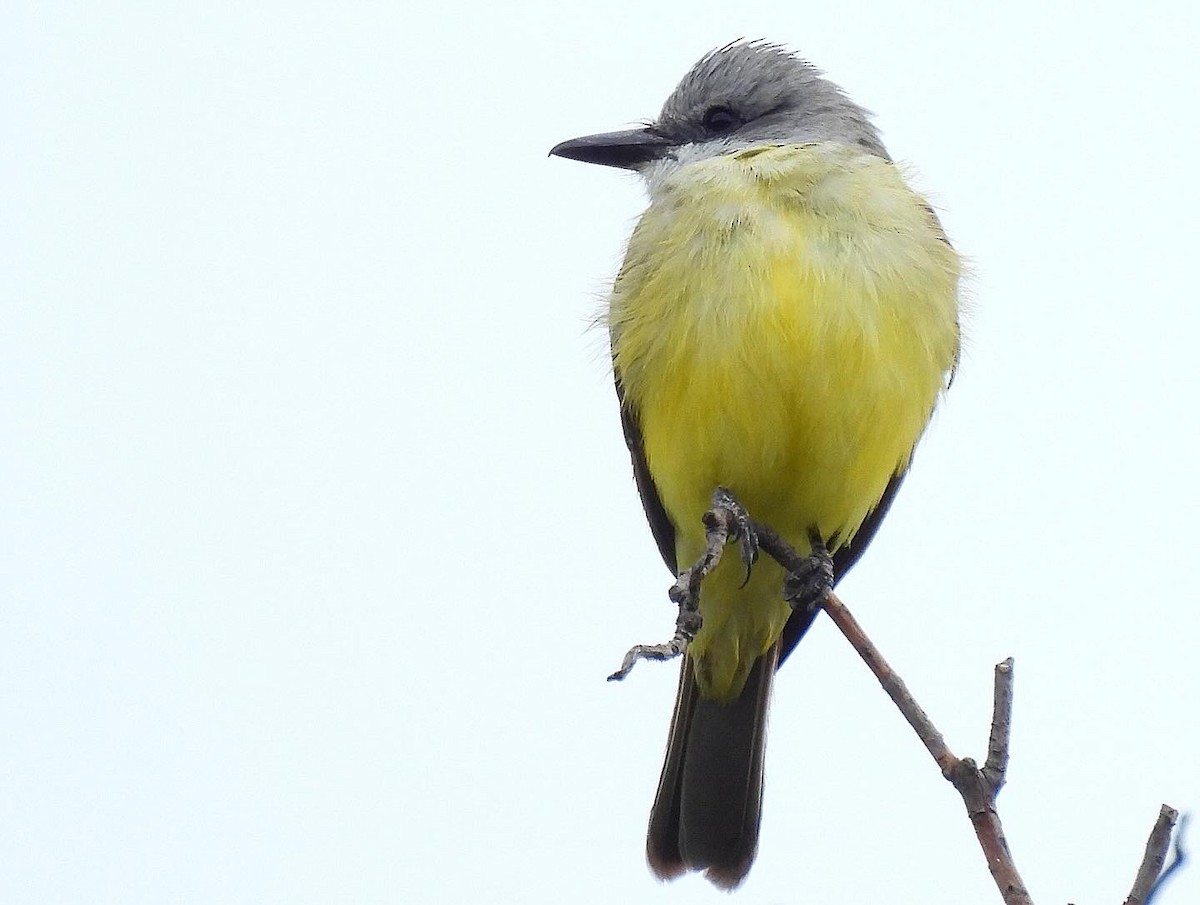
(719, 120)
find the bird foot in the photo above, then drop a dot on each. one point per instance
(811, 578)
(743, 530)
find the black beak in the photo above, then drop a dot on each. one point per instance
(629, 149)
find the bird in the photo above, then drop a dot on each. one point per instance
(784, 322)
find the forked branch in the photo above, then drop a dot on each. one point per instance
(978, 787)
(728, 521)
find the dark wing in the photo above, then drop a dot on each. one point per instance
(660, 523)
(843, 559)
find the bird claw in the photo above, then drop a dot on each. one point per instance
(807, 586)
(744, 533)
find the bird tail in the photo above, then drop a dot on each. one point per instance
(709, 804)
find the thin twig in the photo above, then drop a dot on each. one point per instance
(1178, 859)
(978, 790)
(929, 735)
(1155, 857)
(727, 521)
(720, 527)
(996, 765)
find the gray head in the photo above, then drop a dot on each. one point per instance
(744, 94)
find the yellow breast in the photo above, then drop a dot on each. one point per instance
(783, 324)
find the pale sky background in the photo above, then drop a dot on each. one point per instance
(319, 536)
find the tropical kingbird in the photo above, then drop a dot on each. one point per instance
(783, 324)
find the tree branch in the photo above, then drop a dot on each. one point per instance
(1156, 855)
(727, 521)
(978, 788)
(996, 765)
(1180, 858)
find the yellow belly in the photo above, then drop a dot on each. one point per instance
(783, 324)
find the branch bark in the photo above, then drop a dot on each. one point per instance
(1156, 855)
(977, 787)
(727, 521)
